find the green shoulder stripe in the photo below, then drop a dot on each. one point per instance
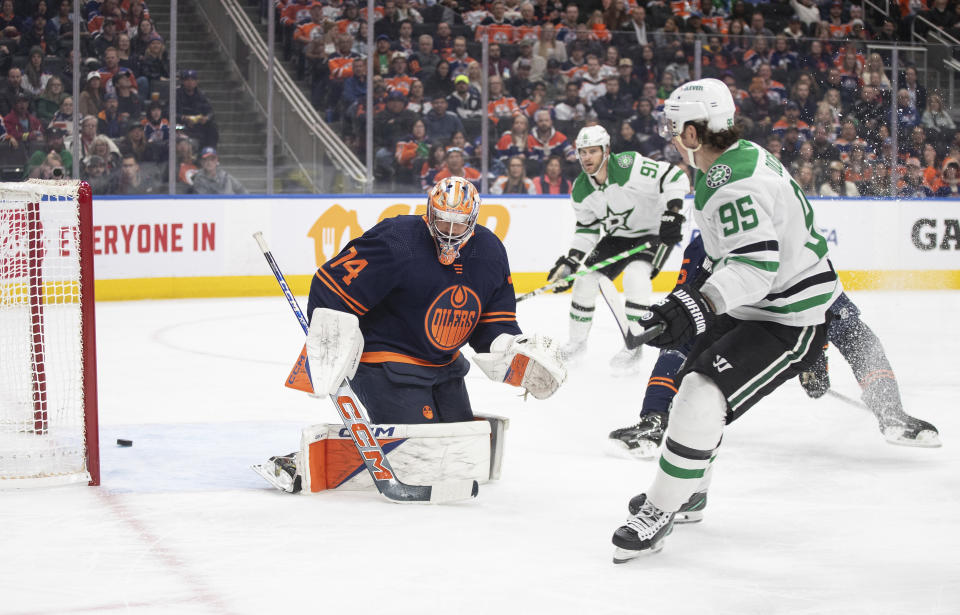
(733, 165)
(619, 167)
(582, 188)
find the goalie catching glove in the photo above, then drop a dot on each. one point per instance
(683, 314)
(565, 265)
(528, 361)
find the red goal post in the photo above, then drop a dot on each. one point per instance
(48, 379)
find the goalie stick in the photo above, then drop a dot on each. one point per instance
(592, 268)
(353, 415)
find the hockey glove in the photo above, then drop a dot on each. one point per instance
(815, 380)
(564, 266)
(684, 314)
(671, 223)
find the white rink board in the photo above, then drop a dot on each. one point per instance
(211, 237)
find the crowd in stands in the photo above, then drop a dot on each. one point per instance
(124, 131)
(811, 79)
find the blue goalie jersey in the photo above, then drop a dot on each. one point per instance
(411, 308)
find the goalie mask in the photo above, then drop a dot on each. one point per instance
(593, 136)
(705, 100)
(452, 208)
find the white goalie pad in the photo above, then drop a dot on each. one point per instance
(334, 346)
(529, 361)
(419, 454)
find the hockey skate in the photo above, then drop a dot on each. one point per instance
(573, 351)
(816, 380)
(643, 533)
(641, 440)
(626, 362)
(690, 512)
(898, 427)
(281, 472)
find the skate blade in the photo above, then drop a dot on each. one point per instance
(693, 516)
(645, 450)
(622, 556)
(924, 439)
(266, 472)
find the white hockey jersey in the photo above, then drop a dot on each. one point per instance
(631, 201)
(768, 260)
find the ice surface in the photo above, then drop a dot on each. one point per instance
(810, 510)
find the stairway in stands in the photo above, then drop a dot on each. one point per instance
(243, 136)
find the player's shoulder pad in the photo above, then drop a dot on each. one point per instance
(582, 188)
(732, 166)
(486, 244)
(397, 233)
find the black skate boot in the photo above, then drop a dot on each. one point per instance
(690, 512)
(643, 533)
(898, 427)
(643, 439)
(816, 380)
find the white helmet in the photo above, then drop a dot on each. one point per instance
(704, 100)
(593, 136)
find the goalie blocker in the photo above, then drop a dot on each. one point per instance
(419, 454)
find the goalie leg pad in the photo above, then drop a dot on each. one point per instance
(419, 454)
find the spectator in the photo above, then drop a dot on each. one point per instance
(439, 81)
(186, 165)
(131, 180)
(870, 114)
(154, 66)
(912, 186)
(576, 64)
(455, 167)
(106, 38)
(759, 109)
(416, 101)
(398, 80)
(917, 93)
(106, 148)
(109, 121)
(497, 27)
(195, 112)
(791, 119)
(806, 179)
(907, 114)
(464, 101)
(49, 100)
(440, 123)
(567, 28)
(52, 144)
(156, 128)
(571, 108)
(757, 54)
(807, 105)
(950, 186)
(94, 172)
(34, 79)
(679, 68)
(547, 47)
(625, 139)
(613, 106)
(630, 86)
(647, 69)
(355, 88)
(10, 90)
(931, 171)
(936, 120)
(515, 181)
(50, 167)
(859, 170)
(90, 100)
(212, 179)
(537, 64)
(393, 123)
(497, 64)
(836, 185)
(423, 62)
(135, 142)
(514, 142)
(500, 106)
(443, 40)
(519, 85)
(667, 86)
(794, 30)
(459, 139)
(913, 146)
(537, 100)
(592, 85)
(783, 57)
(823, 149)
(432, 165)
(545, 141)
(136, 15)
(63, 118)
(411, 154)
(404, 39)
(125, 55)
(22, 126)
(458, 58)
(142, 38)
(128, 103)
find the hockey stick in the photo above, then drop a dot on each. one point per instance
(574, 276)
(848, 400)
(353, 415)
(663, 253)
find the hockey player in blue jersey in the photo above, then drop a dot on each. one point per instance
(423, 287)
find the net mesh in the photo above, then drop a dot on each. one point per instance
(41, 346)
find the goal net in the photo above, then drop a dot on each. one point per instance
(48, 410)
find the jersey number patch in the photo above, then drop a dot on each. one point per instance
(819, 245)
(352, 265)
(741, 216)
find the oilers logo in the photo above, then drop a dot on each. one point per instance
(452, 317)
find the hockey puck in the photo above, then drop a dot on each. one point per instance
(122, 442)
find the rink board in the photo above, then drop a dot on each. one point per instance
(162, 247)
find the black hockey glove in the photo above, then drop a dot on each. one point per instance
(671, 232)
(683, 315)
(564, 266)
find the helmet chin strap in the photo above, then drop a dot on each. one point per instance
(690, 152)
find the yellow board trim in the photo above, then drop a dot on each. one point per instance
(262, 286)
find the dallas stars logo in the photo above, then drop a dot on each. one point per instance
(614, 221)
(718, 175)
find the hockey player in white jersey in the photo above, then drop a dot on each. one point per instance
(758, 320)
(621, 201)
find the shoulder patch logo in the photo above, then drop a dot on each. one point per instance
(718, 175)
(625, 161)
